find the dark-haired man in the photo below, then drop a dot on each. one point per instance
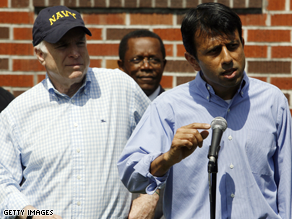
(255, 159)
(142, 56)
(61, 139)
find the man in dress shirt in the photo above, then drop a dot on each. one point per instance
(142, 56)
(170, 145)
(60, 141)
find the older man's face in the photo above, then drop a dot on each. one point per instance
(67, 61)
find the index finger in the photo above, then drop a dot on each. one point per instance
(198, 126)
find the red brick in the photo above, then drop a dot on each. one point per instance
(225, 2)
(3, 3)
(184, 79)
(239, 3)
(290, 5)
(115, 3)
(131, 4)
(268, 35)
(96, 34)
(16, 49)
(273, 5)
(16, 80)
(255, 4)
(166, 81)
(100, 3)
(180, 50)
(106, 19)
(17, 17)
(4, 33)
(168, 49)
(111, 64)
(253, 19)
(161, 3)
(281, 51)
(103, 49)
(178, 66)
(19, 3)
(38, 3)
(150, 19)
(169, 34)
(85, 3)
(4, 64)
(192, 3)
(70, 3)
(282, 83)
(55, 3)
(41, 77)
(27, 65)
(117, 34)
(95, 63)
(179, 19)
(291, 111)
(281, 20)
(146, 4)
(266, 67)
(255, 51)
(176, 4)
(22, 33)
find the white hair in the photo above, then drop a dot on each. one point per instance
(42, 46)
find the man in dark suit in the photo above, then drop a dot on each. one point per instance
(142, 56)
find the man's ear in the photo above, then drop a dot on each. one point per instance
(121, 65)
(40, 56)
(193, 61)
(242, 42)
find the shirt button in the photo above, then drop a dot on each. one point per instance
(78, 203)
(78, 177)
(208, 88)
(78, 150)
(75, 124)
(230, 137)
(207, 97)
(228, 110)
(232, 195)
(231, 166)
(73, 101)
(241, 92)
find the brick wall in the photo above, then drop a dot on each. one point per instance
(267, 30)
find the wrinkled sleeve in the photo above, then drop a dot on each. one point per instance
(283, 161)
(10, 169)
(152, 137)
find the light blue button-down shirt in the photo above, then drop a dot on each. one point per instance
(254, 164)
(67, 148)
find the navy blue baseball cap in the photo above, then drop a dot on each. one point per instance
(53, 23)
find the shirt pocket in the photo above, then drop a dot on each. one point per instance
(260, 148)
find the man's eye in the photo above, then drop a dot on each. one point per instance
(154, 60)
(136, 60)
(233, 46)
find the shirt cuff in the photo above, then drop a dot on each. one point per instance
(143, 168)
(14, 201)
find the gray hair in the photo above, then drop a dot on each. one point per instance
(42, 46)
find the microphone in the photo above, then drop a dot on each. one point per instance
(218, 125)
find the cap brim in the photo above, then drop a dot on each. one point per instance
(55, 36)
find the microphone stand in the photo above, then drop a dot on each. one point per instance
(212, 170)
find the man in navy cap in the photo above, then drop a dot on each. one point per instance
(60, 140)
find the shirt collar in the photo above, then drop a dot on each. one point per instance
(154, 94)
(85, 88)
